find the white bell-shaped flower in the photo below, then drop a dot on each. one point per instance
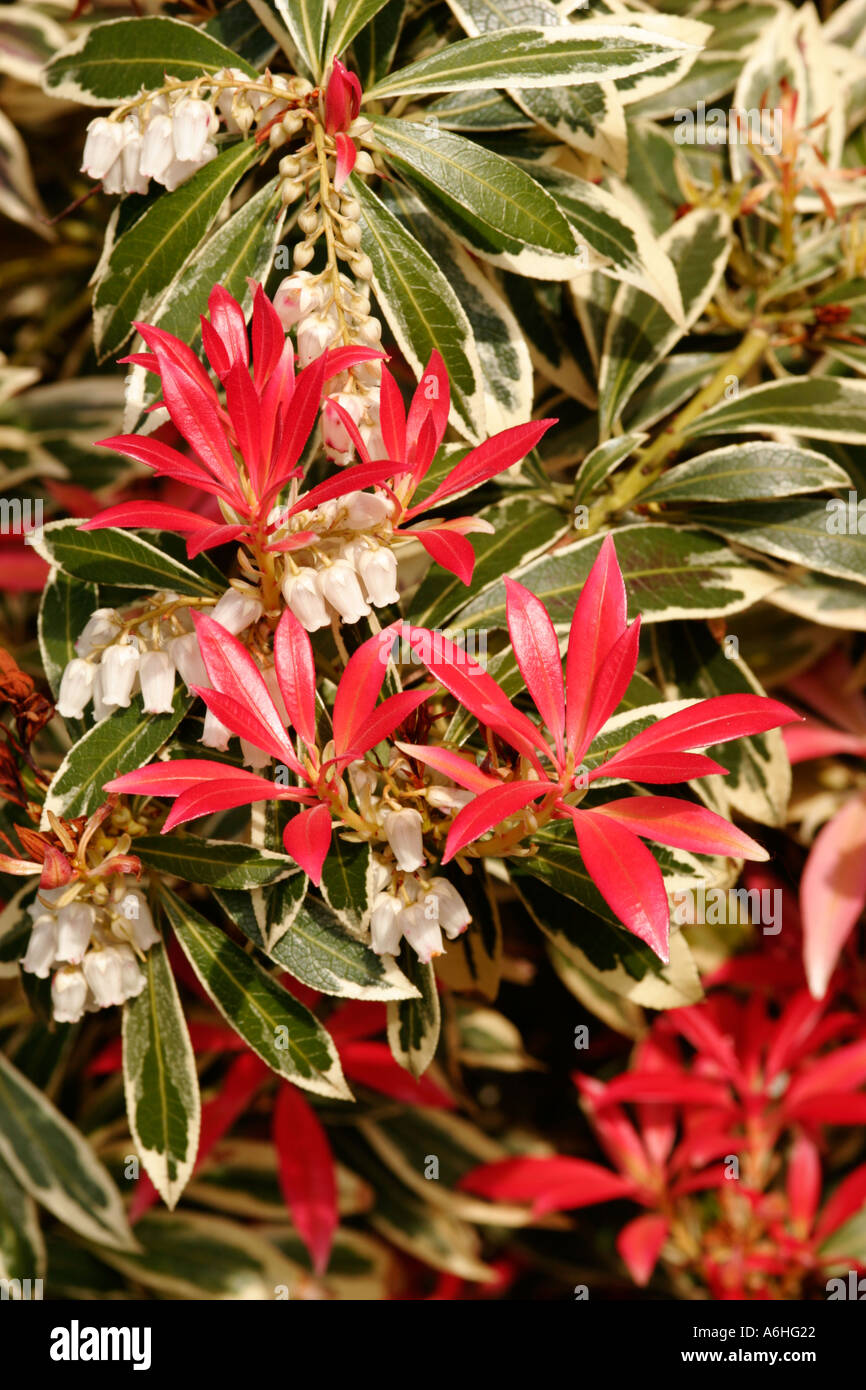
(137, 920)
(42, 947)
(254, 757)
(74, 928)
(378, 569)
(76, 688)
(100, 708)
(303, 595)
(132, 979)
(157, 682)
(187, 657)
(385, 929)
(215, 734)
(236, 611)
(337, 441)
(365, 510)
(181, 169)
(338, 584)
(422, 932)
(192, 123)
(103, 971)
(157, 147)
(403, 832)
(119, 670)
(102, 146)
(101, 628)
(454, 916)
(68, 994)
(130, 157)
(316, 333)
(297, 297)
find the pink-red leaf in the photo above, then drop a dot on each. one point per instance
(307, 1173)
(491, 808)
(627, 876)
(296, 675)
(307, 838)
(682, 824)
(536, 649)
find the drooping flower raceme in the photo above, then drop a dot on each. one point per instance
(118, 656)
(91, 922)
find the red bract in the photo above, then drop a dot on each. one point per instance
(833, 886)
(244, 452)
(342, 105)
(411, 441)
(601, 660)
(241, 700)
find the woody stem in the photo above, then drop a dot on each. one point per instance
(651, 461)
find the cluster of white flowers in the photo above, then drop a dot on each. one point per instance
(167, 139)
(406, 903)
(307, 303)
(91, 949)
(114, 662)
(411, 906)
(349, 569)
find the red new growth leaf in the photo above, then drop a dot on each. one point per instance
(536, 648)
(307, 1173)
(307, 838)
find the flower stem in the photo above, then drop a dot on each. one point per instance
(651, 461)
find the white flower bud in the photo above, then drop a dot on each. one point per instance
(187, 657)
(378, 569)
(119, 669)
(74, 928)
(236, 611)
(102, 147)
(454, 916)
(422, 932)
(363, 267)
(385, 929)
(68, 994)
(302, 594)
(101, 628)
(339, 585)
(403, 832)
(42, 947)
(157, 682)
(76, 688)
